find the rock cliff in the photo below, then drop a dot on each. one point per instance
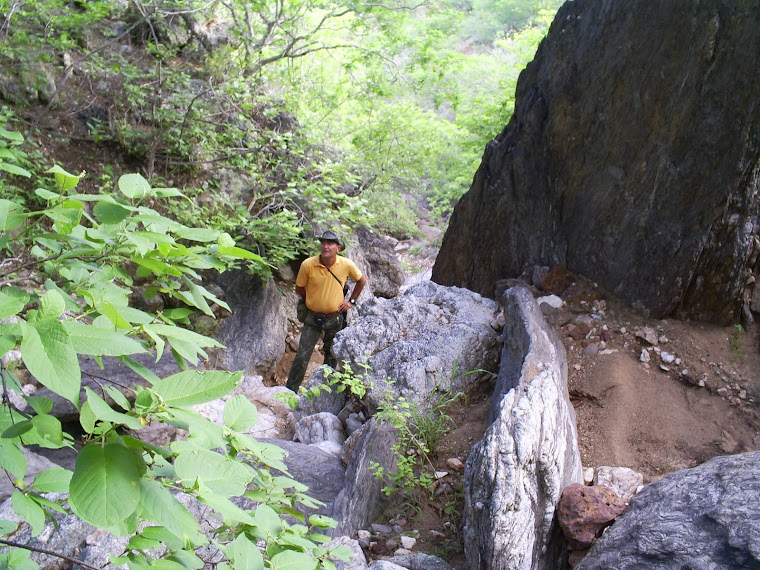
(632, 158)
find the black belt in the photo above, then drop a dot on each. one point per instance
(327, 315)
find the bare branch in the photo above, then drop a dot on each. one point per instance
(48, 552)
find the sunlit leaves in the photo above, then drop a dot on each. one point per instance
(105, 487)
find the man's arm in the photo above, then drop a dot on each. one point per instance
(346, 305)
(301, 291)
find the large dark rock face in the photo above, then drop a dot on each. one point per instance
(632, 158)
(706, 517)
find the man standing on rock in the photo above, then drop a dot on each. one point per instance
(320, 283)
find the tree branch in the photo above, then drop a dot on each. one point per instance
(48, 552)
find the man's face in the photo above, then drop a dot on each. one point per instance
(329, 248)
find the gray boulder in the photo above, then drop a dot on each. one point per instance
(362, 500)
(384, 269)
(428, 340)
(515, 475)
(705, 517)
(254, 335)
(630, 159)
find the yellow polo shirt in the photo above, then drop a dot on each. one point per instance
(323, 293)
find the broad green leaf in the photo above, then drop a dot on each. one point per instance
(53, 480)
(198, 296)
(244, 554)
(119, 398)
(18, 559)
(87, 418)
(172, 332)
(143, 245)
(239, 413)
(52, 305)
(187, 559)
(71, 305)
(49, 357)
(161, 533)
(105, 487)
(225, 240)
(13, 169)
(107, 213)
(218, 472)
(203, 432)
(40, 404)
(292, 560)
(268, 520)
(156, 267)
(187, 351)
(322, 521)
(12, 458)
(114, 315)
(192, 387)
(105, 412)
(12, 301)
(10, 217)
(140, 369)
(240, 253)
(26, 507)
(48, 430)
(14, 136)
(134, 186)
(168, 193)
(7, 527)
(154, 237)
(138, 542)
(18, 429)
(165, 564)
(230, 512)
(87, 339)
(164, 509)
(198, 234)
(64, 180)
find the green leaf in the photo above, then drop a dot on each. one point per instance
(104, 412)
(13, 136)
(40, 404)
(218, 472)
(134, 186)
(13, 169)
(25, 507)
(9, 216)
(64, 180)
(187, 559)
(140, 369)
(198, 296)
(49, 431)
(164, 509)
(53, 480)
(12, 459)
(161, 533)
(108, 213)
(12, 301)
(192, 387)
(52, 305)
(119, 398)
(292, 560)
(105, 488)
(7, 527)
(230, 512)
(225, 240)
(239, 413)
(49, 357)
(87, 339)
(18, 429)
(244, 554)
(240, 253)
(198, 234)
(268, 520)
(18, 559)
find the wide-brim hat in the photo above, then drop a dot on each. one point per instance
(330, 235)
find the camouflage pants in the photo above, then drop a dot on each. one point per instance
(309, 337)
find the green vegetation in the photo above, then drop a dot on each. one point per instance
(78, 259)
(258, 125)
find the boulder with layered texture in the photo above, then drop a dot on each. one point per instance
(631, 158)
